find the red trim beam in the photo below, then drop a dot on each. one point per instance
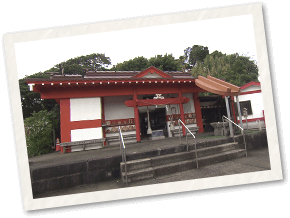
(150, 102)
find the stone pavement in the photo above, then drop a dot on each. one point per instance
(57, 158)
(257, 160)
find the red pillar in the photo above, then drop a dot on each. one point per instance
(103, 119)
(65, 122)
(234, 112)
(182, 113)
(137, 122)
(198, 112)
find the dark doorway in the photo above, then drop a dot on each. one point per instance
(213, 107)
(157, 122)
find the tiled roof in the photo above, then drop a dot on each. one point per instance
(129, 74)
(117, 76)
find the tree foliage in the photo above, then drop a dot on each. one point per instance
(136, 64)
(194, 54)
(31, 101)
(39, 129)
(79, 65)
(163, 62)
(234, 68)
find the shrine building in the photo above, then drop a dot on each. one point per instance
(95, 105)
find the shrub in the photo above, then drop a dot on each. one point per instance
(38, 131)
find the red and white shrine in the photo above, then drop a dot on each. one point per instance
(93, 106)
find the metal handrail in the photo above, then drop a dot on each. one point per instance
(123, 152)
(179, 121)
(242, 130)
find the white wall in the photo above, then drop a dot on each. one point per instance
(188, 107)
(86, 134)
(82, 109)
(256, 103)
(115, 108)
(85, 109)
(257, 107)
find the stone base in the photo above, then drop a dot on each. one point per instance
(222, 132)
(157, 137)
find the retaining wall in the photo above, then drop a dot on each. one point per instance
(69, 175)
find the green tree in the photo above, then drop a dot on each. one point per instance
(242, 69)
(31, 101)
(194, 54)
(136, 64)
(214, 66)
(79, 65)
(234, 68)
(165, 63)
(39, 132)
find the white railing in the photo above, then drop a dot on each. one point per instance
(179, 121)
(123, 152)
(242, 130)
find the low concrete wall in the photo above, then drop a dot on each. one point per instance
(74, 174)
(253, 140)
(69, 175)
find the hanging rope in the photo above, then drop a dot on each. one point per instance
(149, 130)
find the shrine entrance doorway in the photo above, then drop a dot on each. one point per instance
(157, 121)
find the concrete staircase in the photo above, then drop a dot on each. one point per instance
(171, 163)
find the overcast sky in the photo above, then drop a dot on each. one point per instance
(228, 35)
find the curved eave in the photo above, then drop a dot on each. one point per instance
(217, 86)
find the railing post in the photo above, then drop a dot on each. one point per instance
(186, 140)
(195, 153)
(123, 153)
(179, 132)
(245, 143)
(120, 144)
(125, 166)
(242, 130)
(224, 126)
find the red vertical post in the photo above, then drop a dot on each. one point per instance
(198, 112)
(65, 122)
(103, 119)
(136, 114)
(182, 112)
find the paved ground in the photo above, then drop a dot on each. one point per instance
(56, 158)
(257, 160)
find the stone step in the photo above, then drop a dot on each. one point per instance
(175, 157)
(184, 165)
(139, 174)
(216, 158)
(160, 170)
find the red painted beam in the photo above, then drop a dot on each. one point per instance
(150, 102)
(69, 91)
